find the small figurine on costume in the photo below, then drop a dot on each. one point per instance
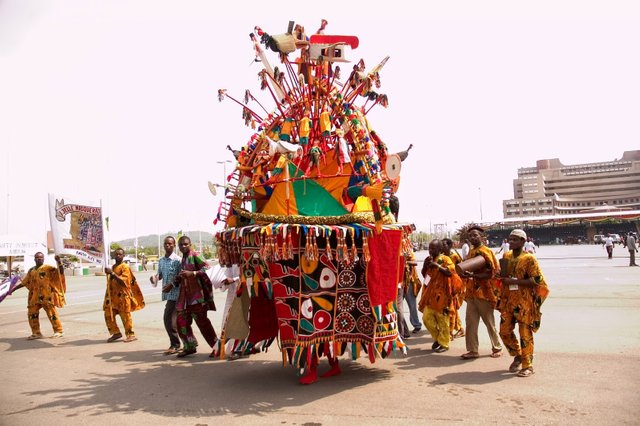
(304, 129)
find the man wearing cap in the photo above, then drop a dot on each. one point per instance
(481, 297)
(523, 292)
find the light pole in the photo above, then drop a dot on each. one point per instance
(224, 170)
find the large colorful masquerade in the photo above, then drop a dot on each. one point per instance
(309, 208)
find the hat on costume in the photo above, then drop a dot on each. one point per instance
(519, 233)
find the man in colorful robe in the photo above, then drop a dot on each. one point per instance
(194, 299)
(455, 325)
(524, 289)
(46, 286)
(481, 297)
(122, 297)
(438, 296)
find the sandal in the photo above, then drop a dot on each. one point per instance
(526, 372)
(470, 355)
(35, 336)
(459, 333)
(515, 365)
(129, 339)
(114, 337)
(496, 354)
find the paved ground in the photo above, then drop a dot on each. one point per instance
(587, 367)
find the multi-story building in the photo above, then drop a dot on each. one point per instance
(553, 189)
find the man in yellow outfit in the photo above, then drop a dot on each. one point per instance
(122, 297)
(437, 299)
(46, 286)
(523, 292)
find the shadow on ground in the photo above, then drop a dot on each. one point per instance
(175, 387)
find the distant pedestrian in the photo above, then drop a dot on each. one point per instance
(608, 245)
(464, 250)
(504, 247)
(529, 246)
(632, 246)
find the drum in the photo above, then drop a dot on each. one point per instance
(473, 264)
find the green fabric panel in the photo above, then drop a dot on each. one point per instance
(312, 199)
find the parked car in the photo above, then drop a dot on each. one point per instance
(598, 239)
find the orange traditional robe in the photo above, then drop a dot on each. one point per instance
(46, 286)
(486, 289)
(438, 294)
(524, 304)
(126, 296)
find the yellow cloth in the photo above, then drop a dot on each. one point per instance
(112, 326)
(304, 127)
(486, 289)
(439, 291)
(438, 325)
(325, 122)
(122, 296)
(46, 286)
(524, 346)
(524, 304)
(33, 314)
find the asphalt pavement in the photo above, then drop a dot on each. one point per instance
(586, 361)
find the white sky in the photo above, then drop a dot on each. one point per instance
(117, 100)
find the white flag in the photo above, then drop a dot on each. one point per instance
(78, 229)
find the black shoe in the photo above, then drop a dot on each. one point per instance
(186, 352)
(416, 330)
(441, 349)
(435, 346)
(114, 337)
(406, 336)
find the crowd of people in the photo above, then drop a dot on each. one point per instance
(514, 286)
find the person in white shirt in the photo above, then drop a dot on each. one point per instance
(464, 250)
(504, 247)
(529, 246)
(608, 244)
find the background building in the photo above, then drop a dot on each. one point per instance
(551, 188)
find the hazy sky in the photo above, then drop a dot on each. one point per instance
(117, 100)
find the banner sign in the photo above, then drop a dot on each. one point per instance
(78, 229)
(7, 285)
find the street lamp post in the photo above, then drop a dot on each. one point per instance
(224, 170)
